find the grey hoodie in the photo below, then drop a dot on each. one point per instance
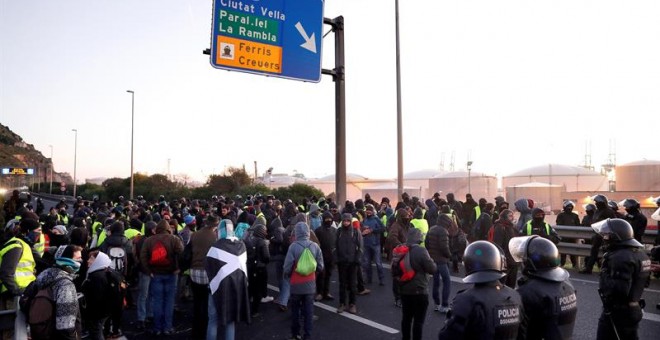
(525, 212)
(302, 285)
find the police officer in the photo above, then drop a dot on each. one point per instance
(489, 310)
(635, 217)
(603, 212)
(548, 296)
(624, 274)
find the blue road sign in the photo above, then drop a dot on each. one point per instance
(280, 38)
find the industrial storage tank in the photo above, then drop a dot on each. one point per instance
(642, 175)
(462, 182)
(572, 178)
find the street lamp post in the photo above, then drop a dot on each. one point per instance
(132, 125)
(75, 160)
(51, 169)
(469, 168)
(399, 118)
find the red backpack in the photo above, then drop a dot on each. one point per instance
(401, 268)
(159, 256)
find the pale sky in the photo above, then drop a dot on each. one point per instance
(515, 84)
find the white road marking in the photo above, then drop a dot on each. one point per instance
(347, 315)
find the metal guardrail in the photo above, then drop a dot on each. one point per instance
(20, 324)
(586, 234)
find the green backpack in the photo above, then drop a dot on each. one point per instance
(306, 263)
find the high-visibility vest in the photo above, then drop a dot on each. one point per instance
(64, 219)
(40, 246)
(477, 213)
(131, 233)
(529, 228)
(95, 227)
(423, 226)
(25, 268)
(102, 237)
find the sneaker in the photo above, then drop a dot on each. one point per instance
(364, 292)
(255, 315)
(341, 308)
(437, 308)
(352, 309)
(318, 297)
(168, 332)
(328, 297)
(282, 308)
(295, 337)
(397, 303)
(267, 299)
(444, 309)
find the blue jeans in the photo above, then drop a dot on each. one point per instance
(443, 270)
(163, 292)
(372, 253)
(144, 299)
(212, 328)
(283, 282)
(306, 303)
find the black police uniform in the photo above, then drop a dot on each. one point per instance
(550, 308)
(485, 311)
(624, 275)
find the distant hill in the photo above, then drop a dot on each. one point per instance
(15, 152)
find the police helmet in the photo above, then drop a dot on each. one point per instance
(79, 198)
(238, 198)
(539, 256)
(616, 231)
(613, 205)
(590, 207)
(484, 262)
(657, 201)
(599, 198)
(569, 204)
(121, 198)
(630, 203)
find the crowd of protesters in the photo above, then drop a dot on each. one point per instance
(217, 252)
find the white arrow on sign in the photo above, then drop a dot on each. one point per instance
(310, 42)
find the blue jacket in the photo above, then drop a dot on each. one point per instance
(377, 228)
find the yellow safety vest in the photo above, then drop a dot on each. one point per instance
(477, 212)
(41, 245)
(529, 228)
(423, 226)
(26, 265)
(102, 237)
(95, 227)
(131, 233)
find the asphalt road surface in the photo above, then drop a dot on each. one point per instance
(379, 319)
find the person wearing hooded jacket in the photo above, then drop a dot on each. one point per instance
(258, 258)
(503, 232)
(437, 244)
(117, 239)
(522, 206)
(327, 235)
(414, 293)
(303, 288)
(99, 289)
(398, 234)
(60, 279)
(538, 226)
(348, 252)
